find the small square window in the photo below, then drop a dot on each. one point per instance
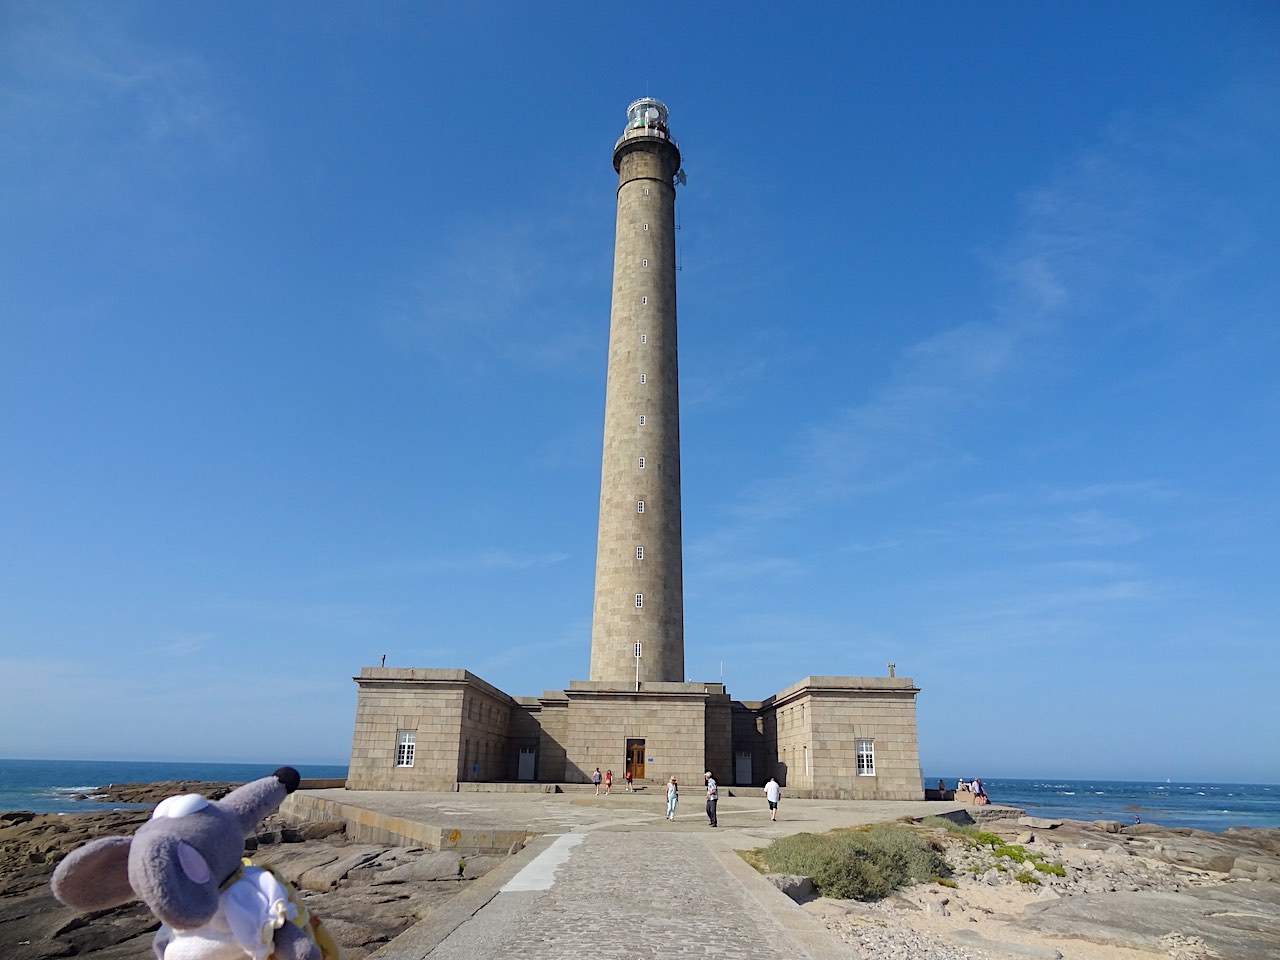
(639, 604)
(641, 463)
(639, 506)
(642, 419)
(644, 338)
(646, 191)
(644, 299)
(642, 378)
(406, 741)
(646, 226)
(644, 262)
(639, 553)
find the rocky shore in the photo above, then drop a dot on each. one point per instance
(1124, 893)
(367, 894)
(1105, 891)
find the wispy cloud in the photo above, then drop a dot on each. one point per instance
(504, 294)
(186, 645)
(86, 105)
(1121, 231)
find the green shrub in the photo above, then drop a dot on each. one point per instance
(863, 864)
(1014, 852)
(1026, 876)
(950, 826)
(1054, 868)
(985, 839)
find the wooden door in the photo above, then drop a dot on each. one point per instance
(635, 758)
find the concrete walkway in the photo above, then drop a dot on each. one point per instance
(610, 877)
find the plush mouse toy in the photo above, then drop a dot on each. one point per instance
(185, 864)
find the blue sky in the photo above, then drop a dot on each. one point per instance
(303, 320)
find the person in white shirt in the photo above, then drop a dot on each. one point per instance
(773, 793)
(713, 797)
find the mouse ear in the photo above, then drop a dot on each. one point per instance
(95, 876)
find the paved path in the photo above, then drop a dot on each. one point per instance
(611, 877)
(630, 896)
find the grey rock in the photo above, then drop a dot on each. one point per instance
(1234, 920)
(1040, 823)
(971, 938)
(826, 907)
(798, 889)
(327, 877)
(1256, 868)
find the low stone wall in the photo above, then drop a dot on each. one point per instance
(368, 826)
(504, 787)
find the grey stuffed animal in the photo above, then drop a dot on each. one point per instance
(185, 864)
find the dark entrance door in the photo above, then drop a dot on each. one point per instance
(635, 758)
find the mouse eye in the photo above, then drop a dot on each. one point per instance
(179, 806)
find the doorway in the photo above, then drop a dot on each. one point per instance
(635, 759)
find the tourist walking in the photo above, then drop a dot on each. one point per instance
(673, 797)
(629, 789)
(595, 778)
(608, 782)
(713, 797)
(773, 793)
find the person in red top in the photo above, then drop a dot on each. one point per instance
(608, 782)
(629, 789)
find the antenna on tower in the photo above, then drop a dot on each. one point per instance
(681, 178)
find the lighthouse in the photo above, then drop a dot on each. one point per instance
(434, 728)
(637, 630)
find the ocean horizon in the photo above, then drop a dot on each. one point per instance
(52, 786)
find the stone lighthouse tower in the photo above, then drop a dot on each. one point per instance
(637, 631)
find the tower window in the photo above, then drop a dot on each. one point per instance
(646, 226)
(646, 193)
(642, 419)
(642, 463)
(644, 299)
(639, 604)
(644, 262)
(639, 506)
(639, 553)
(642, 378)
(405, 743)
(638, 647)
(644, 338)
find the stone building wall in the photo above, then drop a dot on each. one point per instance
(807, 735)
(601, 721)
(820, 721)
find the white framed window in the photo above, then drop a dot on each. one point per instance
(641, 463)
(644, 338)
(639, 506)
(642, 419)
(644, 262)
(639, 553)
(639, 647)
(646, 226)
(639, 604)
(646, 191)
(642, 378)
(866, 758)
(406, 741)
(644, 299)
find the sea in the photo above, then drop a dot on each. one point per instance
(1201, 805)
(52, 786)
